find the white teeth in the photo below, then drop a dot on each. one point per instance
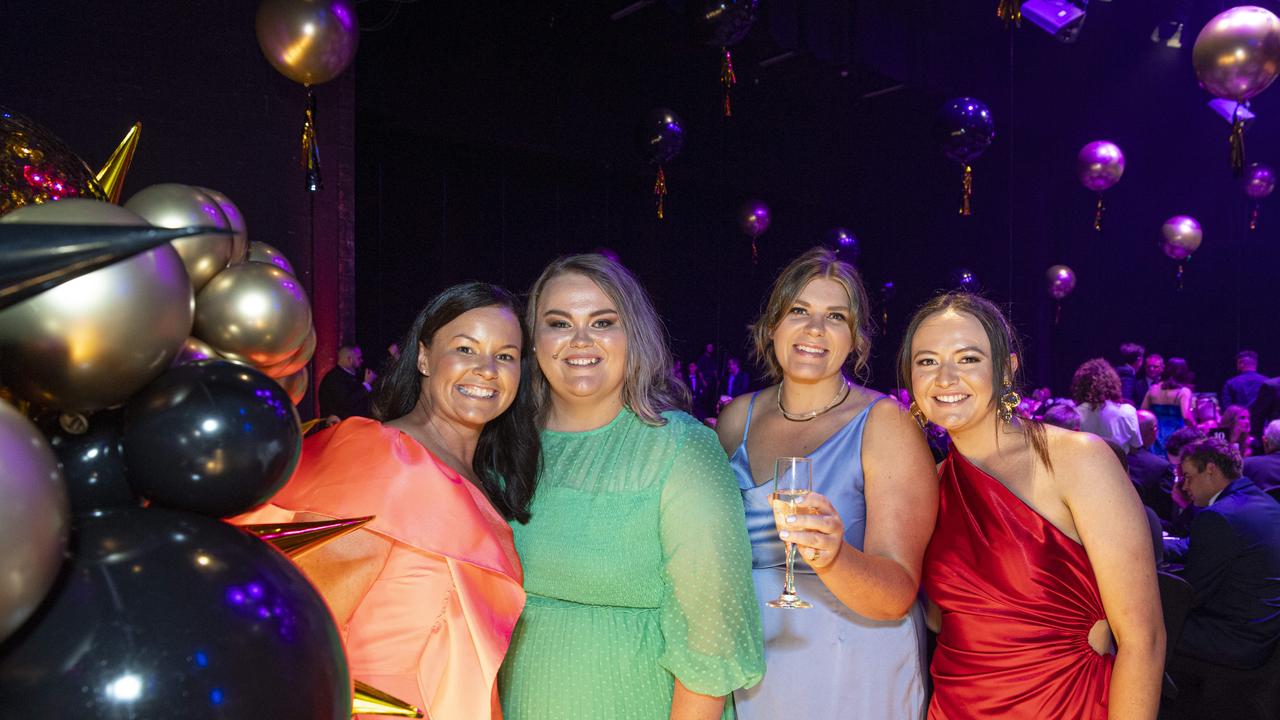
(950, 398)
(582, 362)
(811, 350)
(477, 392)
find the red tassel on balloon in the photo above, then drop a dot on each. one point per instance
(728, 79)
(967, 184)
(660, 189)
(1097, 217)
(1253, 217)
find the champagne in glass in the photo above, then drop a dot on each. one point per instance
(792, 480)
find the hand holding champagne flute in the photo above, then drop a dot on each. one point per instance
(792, 480)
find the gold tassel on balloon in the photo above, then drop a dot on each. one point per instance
(368, 700)
(1237, 144)
(728, 79)
(299, 538)
(660, 189)
(111, 177)
(1097, 216)
(967, 190)
(310, 149)
(1010, 11)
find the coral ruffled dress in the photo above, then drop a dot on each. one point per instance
(435, 625)
(1018, 600)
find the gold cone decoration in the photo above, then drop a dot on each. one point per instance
(298, 539)
(368, 700)
(111, 176)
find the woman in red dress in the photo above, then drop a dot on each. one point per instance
(1041, 560)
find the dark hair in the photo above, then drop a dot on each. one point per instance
(649, 387)
(1230, 418)
(509, 451)
(1131, 352)
(1176, 374)
(1064, 416)
(1247, 355)
(817, 263)
(1094, 383)
(1182, 438)
(1004, 344)
(1213, 450)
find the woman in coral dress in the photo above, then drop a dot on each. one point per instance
(428, 592)
(1041, 560)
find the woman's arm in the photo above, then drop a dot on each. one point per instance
(344, 570)
(1109, 519)
(901, 488)
(689, 705)
(732, 422)
(1184, 401)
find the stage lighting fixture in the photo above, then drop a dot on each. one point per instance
(1060, 18)
(1227, 110)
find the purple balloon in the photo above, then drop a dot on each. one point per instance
(844, 243)
(1181, 236)
(663, 136)
(964, 279)
(1061, 281)
(754, 218)
(967, 128)
(1100, 165)
(1259, 180)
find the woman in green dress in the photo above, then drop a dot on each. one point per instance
(636, 561)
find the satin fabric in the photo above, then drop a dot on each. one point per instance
(1018, 600)
(435, 625)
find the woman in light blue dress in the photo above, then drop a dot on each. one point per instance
(862, 532)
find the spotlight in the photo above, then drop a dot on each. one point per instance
(1060, 18)
(1170, 21)
(1227, 110)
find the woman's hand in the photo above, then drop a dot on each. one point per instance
(814, 526)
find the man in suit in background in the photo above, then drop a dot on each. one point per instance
(345, 391)
(1232, 563)
(736, 380)
(1151, 474)
(1266, 406)
(1264, 470)
(1131, 357)
(1243, 388)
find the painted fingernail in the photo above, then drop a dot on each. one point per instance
(791, 519)
(784, 534)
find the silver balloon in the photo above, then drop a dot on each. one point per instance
(295, 385)
(193, 350)
(294, 362)
(1181, 236)
(171, 205)
(93, 341)
(1237, 54)
(33, 518)
(255, 311)
(239, 241)
(264, 253)
(1061, 280)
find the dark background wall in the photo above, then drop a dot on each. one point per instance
(493, 136)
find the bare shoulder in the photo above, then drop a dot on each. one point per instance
(1081, 459)
(732, 422)
(889, 415)
(893, 436)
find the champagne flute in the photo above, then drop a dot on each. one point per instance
(792, 480)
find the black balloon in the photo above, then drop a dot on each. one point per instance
(844, 243)
(164, 614)
(662, 137)
(964, 279)
(888, 290)
(211, 437)
(722, 23)
(92, 462)
(967, 129)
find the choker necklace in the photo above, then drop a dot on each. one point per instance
(806, 417)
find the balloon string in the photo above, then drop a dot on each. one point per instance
(1097, 217)
(728, 79)
(310, 149)
(660, 189)
(1179, 277)
(1010, 11)
(755, 252)
(967, 184)
(1057, 312)
(1237, 144)
(1253, 217)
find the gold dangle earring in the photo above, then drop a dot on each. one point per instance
(916, 413)
(1009, 402)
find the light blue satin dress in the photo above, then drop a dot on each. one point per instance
(827, 661)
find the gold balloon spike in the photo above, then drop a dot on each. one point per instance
(308, 425)
(298, 539)
(111, 176)
(368, 700)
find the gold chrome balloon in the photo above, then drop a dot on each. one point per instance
(91, 342)
(1237, 53)
(195, 349)
(239, 241)
(264, 253)
(295, 385)
(254, 310)
(111, 176)
(294, 362)
(308, 41)
(171, 205)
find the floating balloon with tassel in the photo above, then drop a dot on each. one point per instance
(754, 218)
(723, 24)
(967, 131)
(965, 279)
(1060, 281)
(1259, 182)
(1099, 165)
(845, 244)
(661, 140)
(1237, 56)
(1180, 238)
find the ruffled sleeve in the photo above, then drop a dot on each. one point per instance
(709, 617)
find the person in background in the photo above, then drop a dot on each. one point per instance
(1183, 510)
(1095, 388)
(1265, 407)
(1132, 356)
(1205, 413)
(1170, 400)
(1152, 371)
(1152, 475)
(700, 391)
(346, 389)
(1233, 428)
(736, 380)
(1242, 389)
(1264, 469)
(1064, 416)
(710, 367)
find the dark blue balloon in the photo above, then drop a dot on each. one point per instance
(93, 463)
(964, 279)
(967, 129)
(164, 614)
(662, 137)
(722, 23)
(845, 244)
(211, 437)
